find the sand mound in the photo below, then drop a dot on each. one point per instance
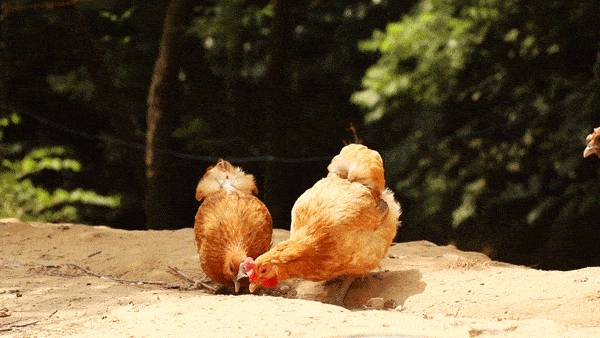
(51, 285)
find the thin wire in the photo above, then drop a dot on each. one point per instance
(206, 158)
(187, 156)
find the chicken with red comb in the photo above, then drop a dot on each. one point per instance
(342, 226)
(231, 225)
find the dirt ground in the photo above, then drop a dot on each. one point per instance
(53, 284)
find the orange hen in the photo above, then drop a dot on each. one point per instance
(231, 223)
(593, 143)
(342, 226)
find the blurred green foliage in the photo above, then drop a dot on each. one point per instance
(488, 104)
(25, 198)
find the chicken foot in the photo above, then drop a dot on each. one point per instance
(340, 294)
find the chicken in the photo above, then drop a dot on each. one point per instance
(342, 226)
(231, 223)
(593, 144)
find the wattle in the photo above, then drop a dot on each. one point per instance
(270, 282)
(251, 276)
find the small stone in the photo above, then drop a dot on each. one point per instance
(284, 288)
(376, 303)
(4, 312)
(389, 304)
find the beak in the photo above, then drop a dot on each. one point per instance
(589, 150)
(236, 285)
(252, 287)
(241, 274)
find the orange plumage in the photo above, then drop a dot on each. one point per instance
(231, 223)
(593, 143)
(343, 225)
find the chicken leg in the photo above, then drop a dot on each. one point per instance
(342, 291)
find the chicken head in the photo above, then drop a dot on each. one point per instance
(260, 274)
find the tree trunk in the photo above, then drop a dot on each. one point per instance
(161, 117)
(279, 115)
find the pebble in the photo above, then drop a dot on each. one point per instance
(389, 304)
(376, 303)
(4, 312)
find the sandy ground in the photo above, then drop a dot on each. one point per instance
(428, 291)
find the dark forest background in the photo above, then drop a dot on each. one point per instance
(110, 111)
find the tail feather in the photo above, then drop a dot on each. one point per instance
(357, 163)
(224, 176)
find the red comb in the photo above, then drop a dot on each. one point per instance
(249, 266)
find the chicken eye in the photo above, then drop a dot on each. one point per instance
(263, 270)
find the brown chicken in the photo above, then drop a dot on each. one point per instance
(231, 223)
(593, 144)
(342, 226)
